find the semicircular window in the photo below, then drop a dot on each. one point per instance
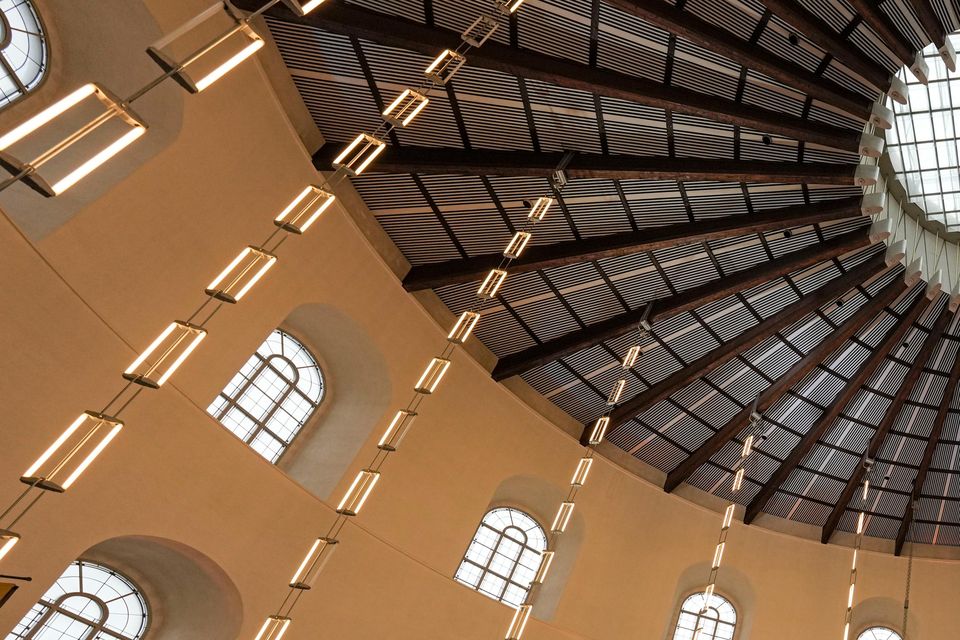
(89, 601)
(272, 396)
(879, 633)
(716, 618)
(923, 142)
(23, 50)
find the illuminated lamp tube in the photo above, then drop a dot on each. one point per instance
(519, 622)
(491, 284)
(509, 6)
(194, 59)
(432, 376)
(313, 563)
(546, 559)
(718, 555)
(616, 392)
(273, 628)
(599, 430)
(165, 354)
(113, 109)
(405, 108)
(480, 31)
(8, 540)
(80, 444)
(359, 491)
(464, 327)
(540, 208)
(304, 210)
(445, 66)
(398, 428)
(562, 518)
(240, 275)
(581, 472)
(517, 244)
(359, 154)
(708, 593)
(728, 517)
(747, 446)
(738, 480)
(302, 8)
(631, 357)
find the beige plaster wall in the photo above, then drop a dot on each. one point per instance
(115, 273)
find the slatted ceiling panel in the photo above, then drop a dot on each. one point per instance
(771, 299)
(560, 130)
(420, 237)
(706, 204)
(555, 29)
(903, 16)
(477, 232)
(813, 154)
(946, 14)
(306, 48)
(597, 216)
(836, 14)
(662, 454)
(411, 9)
(761, 91)
(776, 39)
(739, 23)
(493, 125)
(951, 428)
(626, 138)
(839, 74)
(765, 196)
(324, 100)
(703, 72)
(695, 144)
(629, 45)
(457, 16)
(592, 306)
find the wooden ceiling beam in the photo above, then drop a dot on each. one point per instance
(935, 31)
(826, 420)
(439, 274)
(932, 441)
(794, 375)
(702, 366)
(886, 30)
(685, 300)
(485, 162)
(880, 435)
(815, 28)
(393, 31)
(691, 27)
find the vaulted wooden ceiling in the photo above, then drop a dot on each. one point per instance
(716, 148)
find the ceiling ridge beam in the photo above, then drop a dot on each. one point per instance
(512, 163)
(394, 31)
(795, 374)
(883, 429)
(685, 300)
(817, 29)
(701, 32)
(888, 33)
(826, 420)
(535, 257)
(826, 293)
(927, 459)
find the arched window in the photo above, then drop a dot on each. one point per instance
(717, 617)
(88, 602)
(23, 49)
(272, 396)
(504, 555)
(879, 633)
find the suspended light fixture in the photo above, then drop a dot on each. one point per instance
(599, 430)
(562, 518)
(358, 492)
(405, 108)
(464, 327)
(301, 7)
(540, 208)
(432, 376)
(313, 563)
(398, 428)
(240, 275)
(616, 392)
(207, 47)
(165, 354)
(480, 31)
(519, 622)
(445, 66)
(67, 150)
(631, 357)
(581, 472)
(492, 283)
(509, 6)
(546, 559)
(359, 154)
(8, 539)
(80, 445)
(273, 628)
(517, 244)
(304, 210)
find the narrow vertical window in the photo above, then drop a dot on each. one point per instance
(504, 555)
(272, 396)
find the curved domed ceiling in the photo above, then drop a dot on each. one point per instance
(752, 249)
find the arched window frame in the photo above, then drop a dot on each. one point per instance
(489, 540)
(264, 360)
(886, 633)
(96, 626)
(25, 12)
(691, 614)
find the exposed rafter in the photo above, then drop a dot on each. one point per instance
(815, 28)
(935, 31)
(683, 301)
(884, 27)
(795, 374)
(695, 29)
(439, 274)
(932, 441)
(702, 366)
(880, 435)
(398, 32)
(825, 422)
(484, 162)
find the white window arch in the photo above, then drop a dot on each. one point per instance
(879, 633)
(718, 618)
(88, 602)
(23, 49)
(272, 396)
(504, 555)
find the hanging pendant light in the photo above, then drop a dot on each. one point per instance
(303, 7)
(304, 210)
(79, 446)
(274, 627)
(8, 540)
(165, 354)
(240, 275)
(313, 563)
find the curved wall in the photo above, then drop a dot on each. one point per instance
(139, 257)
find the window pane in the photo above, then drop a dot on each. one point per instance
(23, 50)
(717, 618)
